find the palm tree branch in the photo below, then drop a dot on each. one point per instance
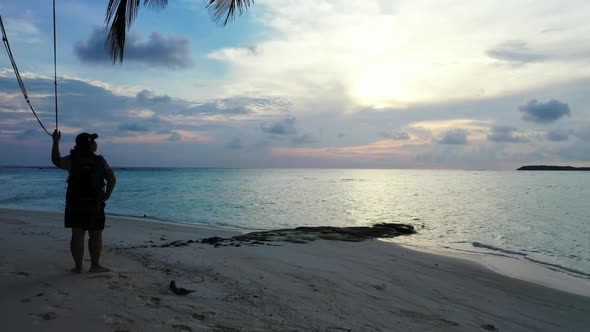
(223, 11)
(121, 14)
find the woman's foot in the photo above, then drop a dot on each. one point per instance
(98, 269)
(77, 270)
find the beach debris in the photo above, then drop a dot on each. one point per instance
(179, 290)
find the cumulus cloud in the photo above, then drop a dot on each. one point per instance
(396, 135)
(158, 50)
(515, 52)
(282, 127)
(558, 135)
(379, 57)
(93, 107)
(540, 112)
(505, 134)
(455, 136)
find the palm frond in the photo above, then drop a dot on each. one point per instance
(223, 11)
(155, 4)
(121, 14)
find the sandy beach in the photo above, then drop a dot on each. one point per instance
(318, 286)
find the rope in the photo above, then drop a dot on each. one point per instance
(19, 78)
(55, 63)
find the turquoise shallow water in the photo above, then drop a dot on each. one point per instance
(542, 217)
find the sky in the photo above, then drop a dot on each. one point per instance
(446, 84)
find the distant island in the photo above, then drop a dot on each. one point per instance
(552, 168)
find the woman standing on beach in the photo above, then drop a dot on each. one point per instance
(85, 197)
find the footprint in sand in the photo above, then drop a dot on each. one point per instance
(428, 317)
(489, 327)
(151, 302)
(199, 316)
(112, 319)
(179, 328)
(154, 302)
(23, 274)
(48, 316)
(100, 276)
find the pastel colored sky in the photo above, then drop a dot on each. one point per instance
(463, 84)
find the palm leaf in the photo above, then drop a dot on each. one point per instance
(223, 11)
(121, 14)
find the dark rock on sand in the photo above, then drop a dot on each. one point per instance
(213, 240)
(306, 234)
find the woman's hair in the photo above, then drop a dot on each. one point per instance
(84, 144)
(81, 150)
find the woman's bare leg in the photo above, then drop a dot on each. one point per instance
(77, 248)
(95, 248)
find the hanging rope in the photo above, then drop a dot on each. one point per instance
(19, 78)
(55, 63)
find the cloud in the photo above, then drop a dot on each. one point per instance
(583, 134)
(396, 136)
(157, 51)
(218, 108)
(380, 56)
(579, 151)
(547, 112)
(304, 139)
(174, 137)
(235, 144)
(514, 51)
(23, 30)
(147, 97)
(455, 136)
(28, 134)
(282, 127)
(137, 118)
(558, 135)
(505, 134)
(135, 127)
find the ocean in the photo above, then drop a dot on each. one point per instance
(541, 217)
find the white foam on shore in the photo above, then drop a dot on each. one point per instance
(511, 266)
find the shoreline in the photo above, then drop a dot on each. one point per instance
(321, 285)
(509, 266)
(528, 271)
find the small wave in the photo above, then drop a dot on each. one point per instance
(490, 247)
(13, 200)
(560, 267)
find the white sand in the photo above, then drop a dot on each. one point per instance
(319, 286)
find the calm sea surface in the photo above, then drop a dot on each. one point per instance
(543, 217)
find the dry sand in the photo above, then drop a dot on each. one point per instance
(318, 286)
